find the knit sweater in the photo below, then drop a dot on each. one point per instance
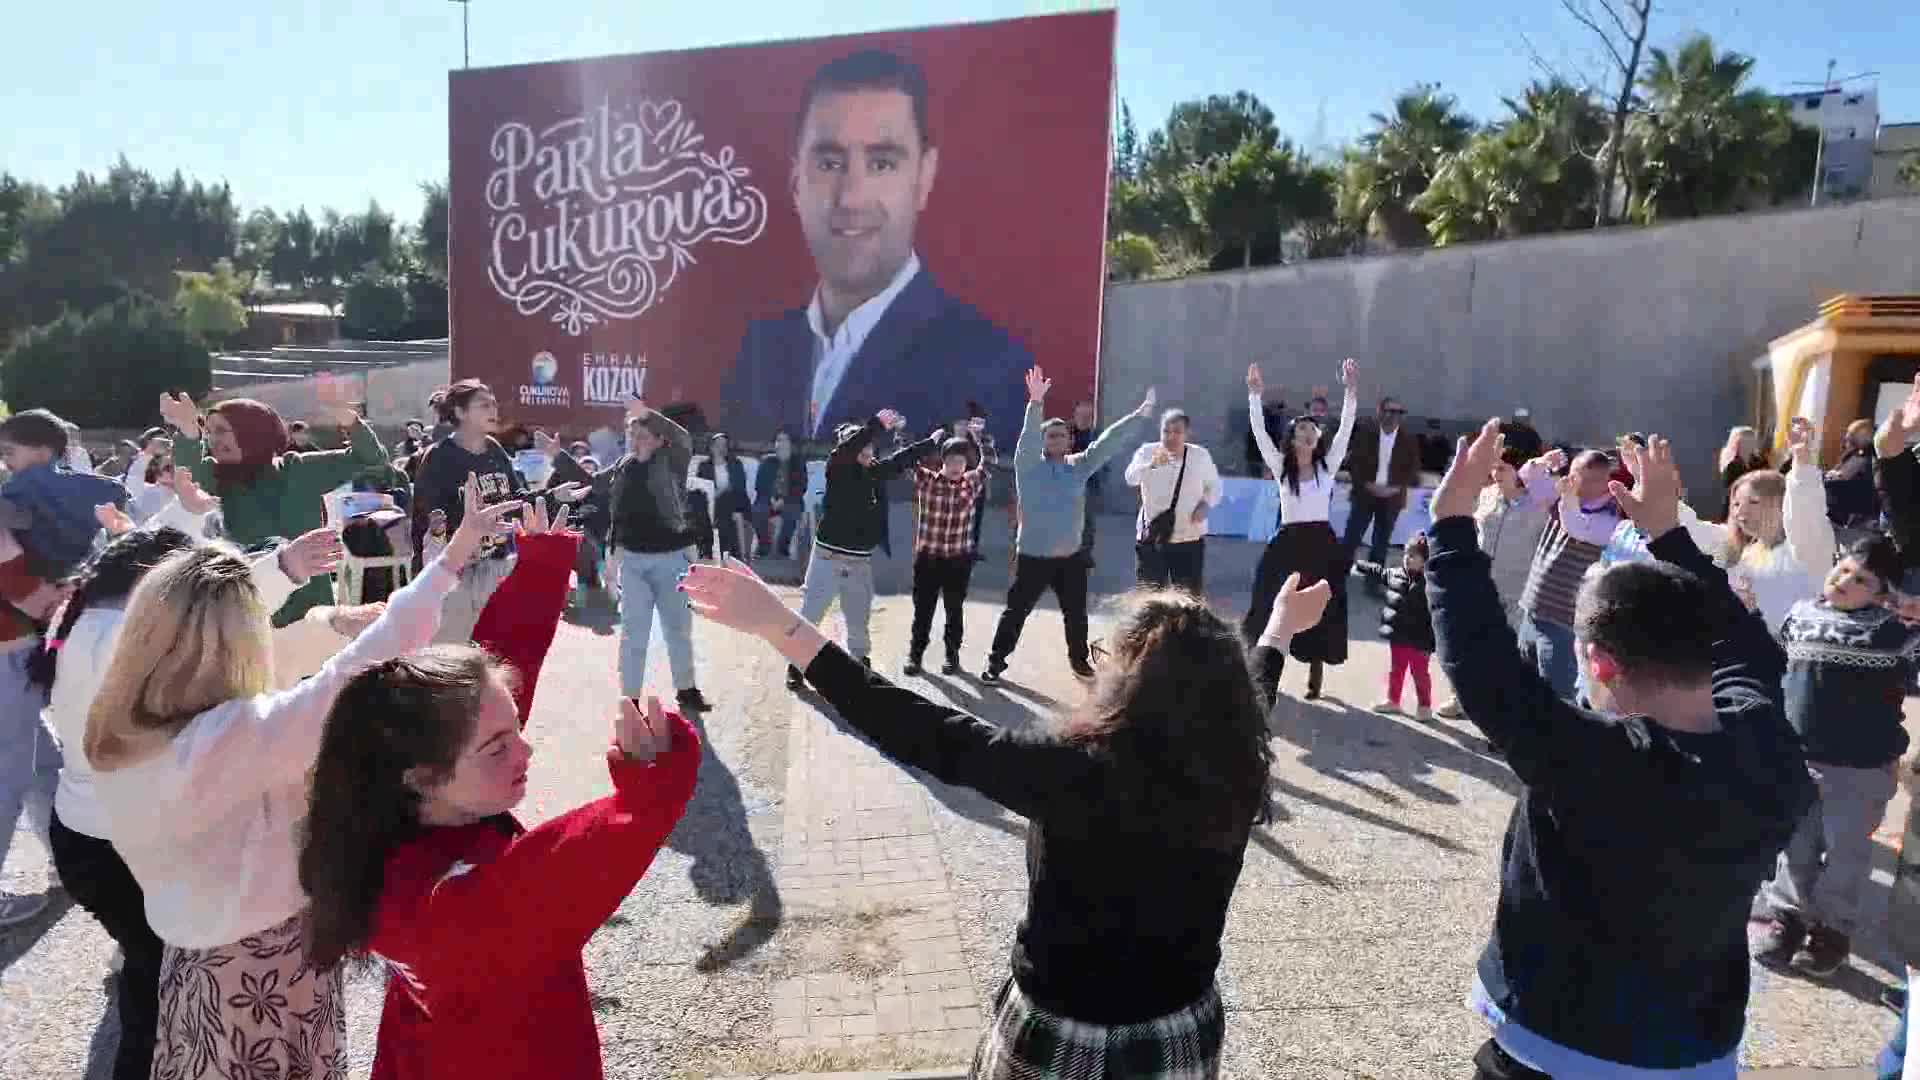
(482, 926)
(1847, 676)
(1633, 853)
(1053, 493)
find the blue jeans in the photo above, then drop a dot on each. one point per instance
(29, 760)
(650, 587)
(1892, 1061)
(1549, 648)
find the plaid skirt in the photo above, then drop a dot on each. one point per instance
(1025, 1042)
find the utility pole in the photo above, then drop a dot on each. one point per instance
(1828, 86)
(466, 58)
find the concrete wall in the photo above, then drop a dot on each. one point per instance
(1598, 333)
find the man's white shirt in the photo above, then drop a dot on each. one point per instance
(833, 353)
(1202, 484)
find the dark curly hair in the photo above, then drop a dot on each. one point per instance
(111, 575)
(413, 715)
(1178, 715)
(1290, 463)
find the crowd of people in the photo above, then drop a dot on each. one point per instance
(261, 782)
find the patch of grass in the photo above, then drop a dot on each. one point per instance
(854, 943)
(882, 1053)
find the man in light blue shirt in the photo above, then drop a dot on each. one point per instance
(1050, 482)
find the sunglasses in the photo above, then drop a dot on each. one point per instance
(1394, 412)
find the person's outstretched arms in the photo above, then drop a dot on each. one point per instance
(554, 885)
(1349, 412)
(954, 746)
(1112, 440)
(1810, 535)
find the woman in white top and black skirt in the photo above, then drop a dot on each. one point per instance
(1306, 543)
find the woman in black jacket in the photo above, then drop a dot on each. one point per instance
(731, 509)
(780, 498)
(1166, 767)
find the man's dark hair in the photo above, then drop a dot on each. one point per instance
(1651, 618)
(1318, 399)
(414, 421)
(37, 428)
(974, 411)
(1878, 556)
(295, 427)
(956, 447)
(870, 69)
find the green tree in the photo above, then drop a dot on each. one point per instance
(1707, 144)
(1199, 131)
(1530, 172)
(1131, 256)
(430, 237)
(1909, 173)
(1397, 160)
(259, 237)
(1256, 191)
(136, 346)
(293, 261)
(377, 307)
(209, 303)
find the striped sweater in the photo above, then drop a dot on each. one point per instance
(1553, 581)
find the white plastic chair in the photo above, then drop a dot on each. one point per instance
(812, 500)
(349, 581)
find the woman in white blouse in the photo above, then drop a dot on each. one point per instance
(1778, 544)
(1306, 543)
(200, 770)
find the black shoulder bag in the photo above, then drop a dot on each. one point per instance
(1160, 527)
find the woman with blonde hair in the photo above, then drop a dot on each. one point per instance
(201, 772)
(1777, 544)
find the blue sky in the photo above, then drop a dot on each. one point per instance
(333, 103)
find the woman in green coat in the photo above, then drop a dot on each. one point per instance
(239, 452)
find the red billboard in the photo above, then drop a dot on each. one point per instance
(787, 235)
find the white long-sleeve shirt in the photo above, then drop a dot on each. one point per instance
(1793, 570)
(208, 824)
(80, 664)
(1314, 500)
(1156, 482)
(146, 499)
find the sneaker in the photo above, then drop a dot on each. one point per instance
(1779, 939)
(1824, 954)
(1388, 708)
(913, 667)
(795, 680)
(1081, 669)
(16, 909)
(1423, 714)
(691, 700)
(867, 662)
(994, 667)
(952, 666)
(1450, 710)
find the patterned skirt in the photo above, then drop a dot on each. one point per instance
(1025, 1042)
(251, 1009)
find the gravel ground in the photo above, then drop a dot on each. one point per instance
(1349, 947)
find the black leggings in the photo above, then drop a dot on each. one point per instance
(1269, 662)
(98, 880)
(1493, 1063)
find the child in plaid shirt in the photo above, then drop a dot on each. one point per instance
(944, 500)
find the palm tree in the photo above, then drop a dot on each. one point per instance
(1398, 159)
(1705, 144)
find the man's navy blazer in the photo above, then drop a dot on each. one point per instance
(928, 356)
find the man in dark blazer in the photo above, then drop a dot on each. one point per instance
(1383, 462)
(879, 332)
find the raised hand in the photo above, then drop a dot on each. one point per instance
(311, 554)
(546, 444)
(113, 519)
(1037, 385)
(541, 525)
(179, 411)
(642, 735)
(1654, 502)
(939, 435)
(1256, 385)
(1297, 610)
(193, 499)
(1473, 465)
(1900, 424)
(1553, 460)
(336, 402)
(1350, 373)
(734, 596)
(1800, 440)
(570, 493)
(890, 419)
(637, 408)
(1146, 405)
(349, 621)
(479, 523)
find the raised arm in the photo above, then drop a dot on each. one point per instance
(522, 615)
(1023, 776)
(850, 449)
(1136, 469)
(1810, 536)
(1343, 436)
(1028, 451)
(1112, 440)
(331, 468)
(898, 460)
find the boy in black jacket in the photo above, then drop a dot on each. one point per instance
(852, 523)
(1643, 830)
(1407, 625)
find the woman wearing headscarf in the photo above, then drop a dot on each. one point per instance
(238, 451)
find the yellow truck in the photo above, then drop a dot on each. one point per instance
(1857, 360)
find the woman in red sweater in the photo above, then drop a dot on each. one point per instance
(412, 856)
